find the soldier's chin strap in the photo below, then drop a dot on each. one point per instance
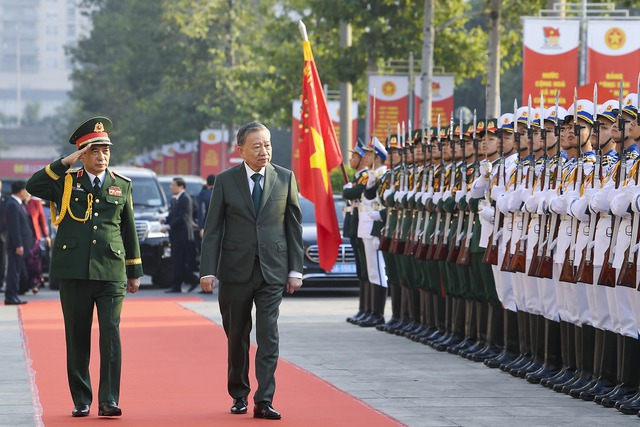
(66, 199)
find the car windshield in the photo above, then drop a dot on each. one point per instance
(146, 192)
(308, 212)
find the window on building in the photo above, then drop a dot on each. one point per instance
(71, 30)
(52, 13)
(52, 30)
(52, 47)
(52, 64)
(71, 13)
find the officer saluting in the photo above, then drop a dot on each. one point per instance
(96, 257)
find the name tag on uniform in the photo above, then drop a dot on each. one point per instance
(115, 191)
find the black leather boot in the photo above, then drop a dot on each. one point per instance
(606, 380)
(552, 353)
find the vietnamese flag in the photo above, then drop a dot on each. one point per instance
(319, 153)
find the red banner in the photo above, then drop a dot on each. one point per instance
(212, 144)
(334, 112)
(20, 169)
(613, 55)
(391, 103)
(550, 60)
(442, 87)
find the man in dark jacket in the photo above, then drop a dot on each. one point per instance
(180, 225)
(19, 240)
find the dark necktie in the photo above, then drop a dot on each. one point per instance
(96, 185)
(257, 191)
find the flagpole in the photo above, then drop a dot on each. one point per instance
(305, 38)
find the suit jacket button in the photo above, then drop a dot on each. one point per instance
(116, 202)
(97, 200)
(64, 246)
(76, 199)
(95, 214)
(95, 227)
(118, 251)
(94, 242)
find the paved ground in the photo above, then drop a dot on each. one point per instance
(411, 382)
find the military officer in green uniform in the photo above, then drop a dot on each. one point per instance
(96, 257)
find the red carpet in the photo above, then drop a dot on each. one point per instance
(174, 374)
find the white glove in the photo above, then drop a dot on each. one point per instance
(437, 197)
(458, 196)
(418, 195)
(568, 198)
(375, 215)
(446, 195)
(599, 202)
(399, 195)
(503, 204)
(515, 199)
(578, 209)
(426, 196)
(531, 203)
(485, 168)
(620, 204)
(558, 205)
(487, 213)
(410, 194)
(387, 193)
(347, 185)
(497, 192)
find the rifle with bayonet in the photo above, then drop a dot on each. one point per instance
(421, 235)
(442, 249)
(544, 186)
(608, 272)
(491, 252)
(417, 224)
(627, 276)
(545, 267)
(454, 251)
(506, 261)
(519, 258)
(568, 271)
(385, 233)
(585, 269)
(464, 258)
(397, 245)
(435, 236)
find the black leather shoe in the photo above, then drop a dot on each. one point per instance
(173, 291)
(239, 406)
(204, 292)
(266, 411)
(109, 409)
(80, 411)
(14, 301)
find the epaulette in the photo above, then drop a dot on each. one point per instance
(126, 178)
(73, 170)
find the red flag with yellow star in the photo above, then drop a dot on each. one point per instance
(319, 153)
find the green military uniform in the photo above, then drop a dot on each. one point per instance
(96, 249)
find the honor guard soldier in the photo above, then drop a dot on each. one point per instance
(96, 257)
(384, 190)
(369, 232)
(352, 193)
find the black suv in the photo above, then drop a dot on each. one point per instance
(150, 206)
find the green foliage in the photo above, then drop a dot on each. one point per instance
(165, 69)
(337, 179)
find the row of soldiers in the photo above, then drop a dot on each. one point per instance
(510, 241)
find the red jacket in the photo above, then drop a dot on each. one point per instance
(36, 212)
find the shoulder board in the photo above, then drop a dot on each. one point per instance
(73, 170)
(126, 178)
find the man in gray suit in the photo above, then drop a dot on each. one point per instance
(252, 243)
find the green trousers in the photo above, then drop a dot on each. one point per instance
(78, 298)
